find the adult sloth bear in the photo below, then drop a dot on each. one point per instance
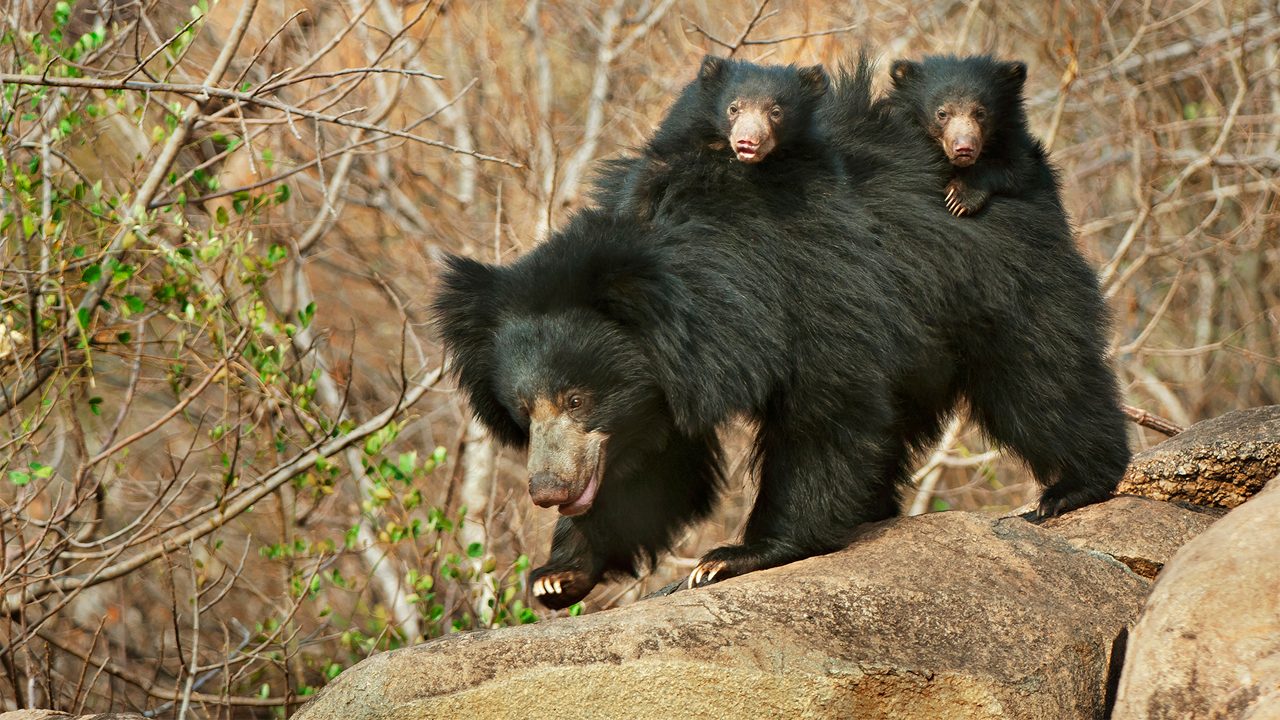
(844, 311)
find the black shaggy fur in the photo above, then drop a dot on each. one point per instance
(836, 309)
(696, 131)
(1012, 161)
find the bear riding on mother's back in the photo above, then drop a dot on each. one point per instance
(763, 117)
(972, 108)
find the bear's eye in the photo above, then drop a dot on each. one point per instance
(942, 114)
(775, 113)
(979, 114)
(733, 110)
(574, 402)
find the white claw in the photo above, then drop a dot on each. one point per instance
(556, 585)
(712, 576)
(537, 587)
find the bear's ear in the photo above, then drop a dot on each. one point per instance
(466, 311)
(904, 72)
(712, 68)
(814, 79)
(467, 301)
(1016, 73)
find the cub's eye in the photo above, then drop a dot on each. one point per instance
(574, 402)
(942, 114)
(733, 109)
(979, 114)
(775, 113)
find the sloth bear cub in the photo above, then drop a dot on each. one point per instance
(972, 108)
(734, 111)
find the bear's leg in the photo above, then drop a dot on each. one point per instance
(818, 483)
(571, 571)
(1056, 407)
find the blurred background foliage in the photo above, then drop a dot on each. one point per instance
(229, 464)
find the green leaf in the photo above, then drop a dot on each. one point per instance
(283, 193)
(43, 472)
(475, 550)
(406, 462)
(306, 314)
(83, 317)
(17, 477)
(95, 405)
(220, 215)
(91, 274)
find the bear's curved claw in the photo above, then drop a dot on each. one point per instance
(706, 572)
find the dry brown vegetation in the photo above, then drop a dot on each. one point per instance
(221, 401)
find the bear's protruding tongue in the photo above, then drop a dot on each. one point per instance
(588, 496)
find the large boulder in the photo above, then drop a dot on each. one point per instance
(949, 615)
(1208, 642)
(1220, 462)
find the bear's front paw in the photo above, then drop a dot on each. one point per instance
(963, 200)
(558, 589)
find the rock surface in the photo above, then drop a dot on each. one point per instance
(1220, 462)
(1208, 642)
(948, 615)
(1143, 546)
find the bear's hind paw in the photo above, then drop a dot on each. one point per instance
(706, 572)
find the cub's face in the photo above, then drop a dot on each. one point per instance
(761, 108)
(753, 127)
(961, 124)
(960, 101)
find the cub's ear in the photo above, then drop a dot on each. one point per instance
(712, 68)
(466, 311)
(1016, 73)
(904, 72)
(815, 80)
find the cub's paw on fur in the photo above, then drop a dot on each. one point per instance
(963, 200)
(558, 589)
